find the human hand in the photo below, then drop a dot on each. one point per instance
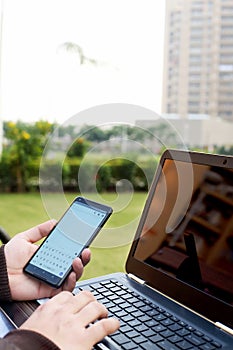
(19, 250)
(68, 321)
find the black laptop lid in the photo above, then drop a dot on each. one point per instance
(184, 242)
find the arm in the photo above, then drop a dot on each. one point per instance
(5, 294)
(23, 340)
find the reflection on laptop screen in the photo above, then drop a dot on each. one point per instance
(188, 232)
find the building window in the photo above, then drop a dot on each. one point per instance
(226, 67)
(195, 59)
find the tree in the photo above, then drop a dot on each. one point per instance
(24, 143)
(93, 133)
(78, 148)
(76, 49)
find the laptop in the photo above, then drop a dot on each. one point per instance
(177, 292)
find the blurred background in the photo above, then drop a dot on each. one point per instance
(58, 58)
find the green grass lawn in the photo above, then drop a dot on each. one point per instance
(19, 212)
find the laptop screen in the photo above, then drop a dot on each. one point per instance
(186, 233)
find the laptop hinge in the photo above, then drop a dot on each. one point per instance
(136, 279)
(224, 328)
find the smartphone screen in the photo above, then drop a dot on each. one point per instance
(77, 228)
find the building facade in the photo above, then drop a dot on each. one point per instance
(199, 131)
(198, 58)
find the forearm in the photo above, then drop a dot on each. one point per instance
(26, 340)
(5, 294)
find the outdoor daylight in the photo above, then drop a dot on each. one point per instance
(116, 163)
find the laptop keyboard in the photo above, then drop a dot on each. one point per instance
(144, 325)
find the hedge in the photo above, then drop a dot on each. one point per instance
(77, 175)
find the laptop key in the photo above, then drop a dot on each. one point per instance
(120, 313)
(99, 288)
(198, 333)
(184, 345)
(167, 333)
(115, 309)
(132, 334)
(121, 293)
(132, 309)
(130, 346)
(120, 338)
(126, 328)
(140, 339)
(149, 333)
(144, 318)
(145, 308)
(116, 289)
(126, 305)
(175, 338)
(108, 284)
(134, 323)
(152, 313)
(151, 323)
(156, 338)
(166, 345)
(159, 317)
(139, 304)
(182, 332)
(207, 347)
(136, 313)
(133, 300)
(207, 339)
(149, 346)
(159, 328)
(176, 327)
(182, 323)
(167, 322)
(160, 310)
(127, 318)
(216, 344)
(194, 340)
(141, 328)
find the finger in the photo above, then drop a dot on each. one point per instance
(100, 329)
(74, 275)
(86, 256)
(70, 282)
(62, 298)
(38, 232)
(79, 263)
(77, 266)
(83, 299)
(77, 272)
(71, 303)
(63, 301)
(91, 312)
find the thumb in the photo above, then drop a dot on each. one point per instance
(38, 232)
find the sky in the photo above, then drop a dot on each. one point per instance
(40, 79)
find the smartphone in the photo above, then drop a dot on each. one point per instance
(52, 262)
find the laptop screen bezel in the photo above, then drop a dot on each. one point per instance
(208, 306)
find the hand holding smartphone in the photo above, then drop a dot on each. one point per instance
(52, 262)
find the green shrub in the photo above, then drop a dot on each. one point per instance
(7, 180)
(103, 178)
